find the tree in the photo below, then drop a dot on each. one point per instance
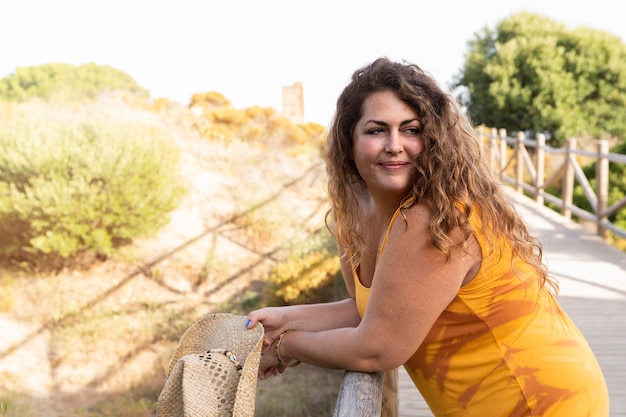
(534, 74)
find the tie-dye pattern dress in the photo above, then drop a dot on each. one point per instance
(504, 347)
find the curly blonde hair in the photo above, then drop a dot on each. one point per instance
(450, 169)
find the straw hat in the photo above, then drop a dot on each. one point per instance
(214, 370)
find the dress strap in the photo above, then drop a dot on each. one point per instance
(404, 204)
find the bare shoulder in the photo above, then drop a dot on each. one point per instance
(417, 220)
(414, 220)
(412, 232)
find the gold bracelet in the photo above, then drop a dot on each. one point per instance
(277, 351)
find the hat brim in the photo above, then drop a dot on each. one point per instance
(227, 331)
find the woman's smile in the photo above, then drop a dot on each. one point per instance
(386, 140)
(394, 165)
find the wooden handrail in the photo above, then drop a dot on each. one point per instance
(368, 395)
(506, 154)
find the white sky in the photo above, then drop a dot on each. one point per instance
(249, 49)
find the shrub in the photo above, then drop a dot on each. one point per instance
(60, 82)
(210, 99)
(260, 114)
(261, 125)
(308, 271)
(73, 183)
(229, 116)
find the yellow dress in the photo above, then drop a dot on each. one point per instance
(504, 347)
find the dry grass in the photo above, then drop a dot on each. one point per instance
(305, 391)
(96, 342)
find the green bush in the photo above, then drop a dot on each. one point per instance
(60, 82)
(73, 183)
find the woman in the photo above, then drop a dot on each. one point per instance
(443, 275)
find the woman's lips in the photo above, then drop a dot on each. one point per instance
(394, 164)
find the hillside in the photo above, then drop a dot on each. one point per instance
(96, 341)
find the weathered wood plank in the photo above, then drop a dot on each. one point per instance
(390, 394)
(368, 395)
(360, 395)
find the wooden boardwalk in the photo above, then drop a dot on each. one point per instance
(592, 278)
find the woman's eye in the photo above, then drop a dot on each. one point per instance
(374, 131)
(414, 130)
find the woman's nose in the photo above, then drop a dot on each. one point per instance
(394, 143)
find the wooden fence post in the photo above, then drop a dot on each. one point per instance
(481, 138)
(568, 179)
(360, 394)
(567, 173)
(540, 167)
(391, 401)
(502, 152)
(364, 394)
(602, 186)
(493, 156)
(519, 162)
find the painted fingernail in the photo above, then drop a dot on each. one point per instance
(248, 323)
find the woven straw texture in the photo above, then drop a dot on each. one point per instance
(202, 384)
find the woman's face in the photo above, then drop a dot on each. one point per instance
(386, 140)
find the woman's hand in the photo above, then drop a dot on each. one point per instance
(269, 365)
(309, 319)
(274, 322)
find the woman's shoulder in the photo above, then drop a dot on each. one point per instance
(414, 217)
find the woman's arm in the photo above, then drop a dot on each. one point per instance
(308, 317)
(311, 317)
(412, 286)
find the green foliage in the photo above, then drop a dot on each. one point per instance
(532, 73)
(60, 82)
(311, 266)
(73, 183)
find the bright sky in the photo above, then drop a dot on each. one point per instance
(249, 49)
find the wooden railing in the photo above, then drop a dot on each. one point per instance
(508, 154)
(368, 395)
